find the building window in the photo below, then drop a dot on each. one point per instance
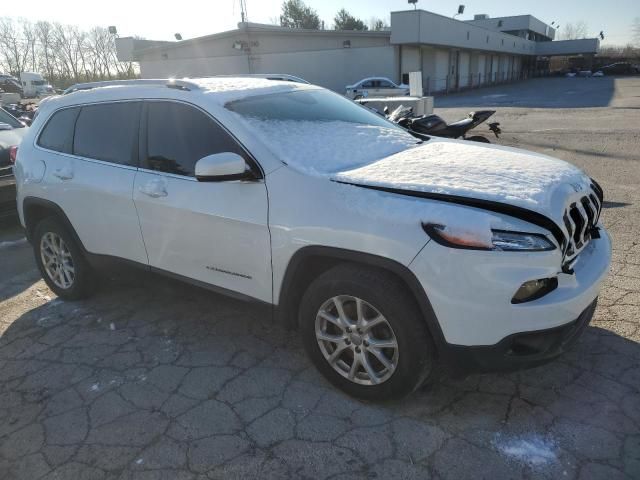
(503, 41)
(487, 38)
(346, 44)
(468, 35)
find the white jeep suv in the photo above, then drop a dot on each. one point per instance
(395, 256)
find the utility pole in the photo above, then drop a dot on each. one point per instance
(243, 11)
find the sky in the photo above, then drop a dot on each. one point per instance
(160, 19)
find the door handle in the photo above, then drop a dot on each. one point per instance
(64, 173)
(154, 189)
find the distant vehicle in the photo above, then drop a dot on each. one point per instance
(427, 125)
(11, 133)
(376, 87)
(619, 68)
(35, 85)
(10, 84)
(599, 73)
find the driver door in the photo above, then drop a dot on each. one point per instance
(212, 232)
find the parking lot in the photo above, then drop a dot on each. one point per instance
(152, 379)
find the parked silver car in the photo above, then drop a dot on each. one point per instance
(376, 87)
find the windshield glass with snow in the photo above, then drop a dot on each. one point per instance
(318, 131)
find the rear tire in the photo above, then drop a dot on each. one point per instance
(383, 335)
(61, 261)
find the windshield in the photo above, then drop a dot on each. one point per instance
(38, 82)
(319, 131)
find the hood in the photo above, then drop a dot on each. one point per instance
(488, 173)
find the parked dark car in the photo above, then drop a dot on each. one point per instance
(11, 133)
(619, 68)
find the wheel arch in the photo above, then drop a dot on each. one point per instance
(37, 209)
(309, 262)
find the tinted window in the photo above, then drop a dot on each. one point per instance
(385, 84)
(368, 84)
(108, 132)
(58, 132)
(179, 135)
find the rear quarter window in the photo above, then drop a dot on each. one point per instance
(57, 134)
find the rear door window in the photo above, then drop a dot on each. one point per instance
(179, 135)
(57, 134)
(108, 132)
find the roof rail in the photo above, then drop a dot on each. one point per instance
(170, 83)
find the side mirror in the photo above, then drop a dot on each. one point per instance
(221, 167)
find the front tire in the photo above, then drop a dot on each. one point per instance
(61, 261)
(364, 333)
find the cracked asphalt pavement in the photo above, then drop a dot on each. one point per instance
(152, 379)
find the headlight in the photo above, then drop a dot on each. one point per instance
(500, 240)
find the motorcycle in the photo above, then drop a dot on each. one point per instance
(436, 126)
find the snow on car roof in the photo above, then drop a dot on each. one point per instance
(221, 89)
(227, 89)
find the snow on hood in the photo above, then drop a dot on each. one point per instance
(500, 174)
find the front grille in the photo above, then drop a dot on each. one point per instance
(580, 219)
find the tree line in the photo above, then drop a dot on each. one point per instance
(296, 14)
(64, 54)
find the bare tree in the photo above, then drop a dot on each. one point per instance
(574, 31)
(64, 54)
(377, 24)
(14, 49)
(635, 29)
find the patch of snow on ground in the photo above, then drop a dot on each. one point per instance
(42, 296)
(461, 168)
(322, 148)
(12, 243)
(535, 450)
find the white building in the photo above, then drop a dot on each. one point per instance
(451, 54)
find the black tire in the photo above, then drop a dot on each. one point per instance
(383, 291)
(479, 139)
(83, 284)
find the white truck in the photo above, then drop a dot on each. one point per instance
(35, 85)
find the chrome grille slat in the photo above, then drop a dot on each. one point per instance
(580, 218)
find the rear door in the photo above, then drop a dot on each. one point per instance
(213, 232)
(90, 154)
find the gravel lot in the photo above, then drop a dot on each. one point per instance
(152, 379)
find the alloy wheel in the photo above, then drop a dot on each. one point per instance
(356, 340)
(57, 260)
